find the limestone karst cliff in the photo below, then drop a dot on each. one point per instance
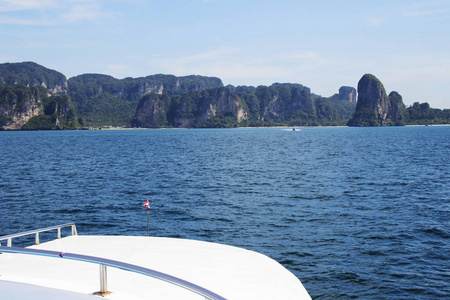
(374, 107)
(151, 111)
(346, 93)
(397, 109)
(29, 108)
(209, 104)
(105, 100)
(188, 110)
(18, 104)
(283, 100)
(34, 97)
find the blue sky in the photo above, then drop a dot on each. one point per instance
(322, 44)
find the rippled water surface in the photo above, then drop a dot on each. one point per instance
(352, 212)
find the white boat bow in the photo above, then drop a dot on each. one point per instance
(231, 272)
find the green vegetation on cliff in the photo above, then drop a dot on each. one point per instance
(59, 113)
(224, 121)
(100, 100)
(104, 100)
(423, 114)
(34, 97)
(19, 101)
(375, 108)
(293, 105)
(16, 96)
(32, 74)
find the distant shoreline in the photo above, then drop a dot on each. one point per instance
(140, 128)
(185, 128)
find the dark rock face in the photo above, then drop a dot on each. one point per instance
(118, 99)
(374, 107)
(211, 103)
(283, 100)
(397, 108)
(302, 100)
(190, 110)
(373, 103)
(346, 93)
(62, 108)
(151, 112)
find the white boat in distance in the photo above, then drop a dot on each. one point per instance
(82, 267)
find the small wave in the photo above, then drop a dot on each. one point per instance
(298, 254)
(436, 231)
(288, 262)
(380, 237)
(374, 253)
(69, 211)
(173, 212)
(349, 276)
(222, 220)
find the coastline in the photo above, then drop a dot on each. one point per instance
(338, 126)
(245, 127)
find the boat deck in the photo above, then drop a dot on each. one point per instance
(231, 272)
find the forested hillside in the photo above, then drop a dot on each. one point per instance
(34, 97)
(423, 114)
(106, 101)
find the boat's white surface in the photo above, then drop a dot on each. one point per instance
(231, 272)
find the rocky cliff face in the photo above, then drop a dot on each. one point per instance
(190, 110)
(23, 107)
(62, 109)
(302, 100)
(283, 100)
(60, 88)
(211, 103)
(117, 99)
(346, 93)
(397, 109)
(222, 102)
(18, 106)
(151, 112)
(373, 103)
(374, 107)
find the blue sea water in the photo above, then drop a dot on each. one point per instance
(352, 212)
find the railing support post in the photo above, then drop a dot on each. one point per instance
(37, 239)
(59, 233)
(74, 230)
(103, 280)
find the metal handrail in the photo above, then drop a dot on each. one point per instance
(103, 262)
(37, 231)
